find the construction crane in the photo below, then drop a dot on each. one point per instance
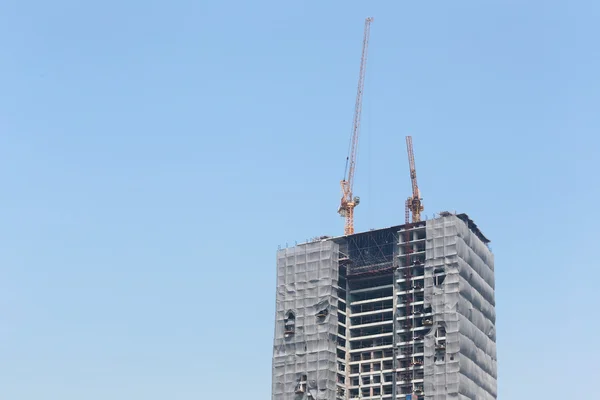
(414, 203)
(348, 202)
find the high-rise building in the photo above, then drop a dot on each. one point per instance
(395, 313)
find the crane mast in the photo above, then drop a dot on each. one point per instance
(413, 203)
(348, 202)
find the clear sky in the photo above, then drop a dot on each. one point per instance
(155, 154)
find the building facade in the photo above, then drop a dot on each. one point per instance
(395, 313)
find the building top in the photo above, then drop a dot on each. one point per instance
(473, 227)
(462, 216)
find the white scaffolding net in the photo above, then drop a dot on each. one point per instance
(460, 350)
(306, 322)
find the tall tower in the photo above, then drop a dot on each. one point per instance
(395, 313)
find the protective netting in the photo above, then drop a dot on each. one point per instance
(460, 350)
(307, 280)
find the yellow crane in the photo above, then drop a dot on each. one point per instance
(414, 204)
(348, 201)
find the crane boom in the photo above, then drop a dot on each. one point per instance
(413, 203)
(348, 202)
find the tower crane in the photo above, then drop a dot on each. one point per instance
(348, 201)
(414, 203)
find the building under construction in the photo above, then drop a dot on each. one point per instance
(405, 312)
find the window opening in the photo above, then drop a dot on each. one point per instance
(439, 276)
(289, 324)
(321, 315)
(301, 384)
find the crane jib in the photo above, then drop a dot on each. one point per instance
(348, 201)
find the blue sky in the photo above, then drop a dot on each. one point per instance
(153, 155)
